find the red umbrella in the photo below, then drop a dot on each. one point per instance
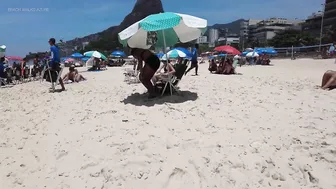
(228, 49)
(16, 58)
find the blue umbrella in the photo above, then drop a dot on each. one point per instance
(64, 58)
(188, 53)
(77, 55)
(118, 54)
(244, 53)
(160, 55)
(222, 55)
(85, 58)
(269, 51)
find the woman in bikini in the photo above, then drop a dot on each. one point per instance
(152, 64)
(329, 80)
(167, 69)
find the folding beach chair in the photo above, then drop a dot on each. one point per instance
(132, 76)
(171, 82)
(49, 76)
(3, 81)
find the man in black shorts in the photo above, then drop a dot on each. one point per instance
(55, 63)
(194, 63)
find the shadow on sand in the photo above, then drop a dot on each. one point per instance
(138, 99)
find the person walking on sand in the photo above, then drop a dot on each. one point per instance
(55, 65)
(194, 63)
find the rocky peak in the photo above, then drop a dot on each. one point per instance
(141, 9)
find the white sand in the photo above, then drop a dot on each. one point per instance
(267, 128)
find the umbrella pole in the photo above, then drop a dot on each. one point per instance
(164, 44)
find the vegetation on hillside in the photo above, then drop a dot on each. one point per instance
(294, 38)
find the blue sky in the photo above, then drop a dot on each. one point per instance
(29, 31)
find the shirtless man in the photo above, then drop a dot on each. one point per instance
(73, 75)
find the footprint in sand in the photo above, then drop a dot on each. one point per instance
(180, 179)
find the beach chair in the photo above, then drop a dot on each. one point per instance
(170, 83)
(131, 76)
(103, 67)
(3, 81)
(49, 76)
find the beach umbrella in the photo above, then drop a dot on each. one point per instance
(269, 51)
(222, 55)
(252, 54)
(228, 49)
(248, 49)
(175, 53)
(95, 54)
(77, 55)
(118, 54)
(85, 58)
(15, 58)
(236, 57)
(244, 53)
(186, 51)
(160, 55)
(64, 59)
(2, 50)
(70, 60)
(162, 30)
(132, 57)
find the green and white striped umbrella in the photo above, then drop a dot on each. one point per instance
(95, 54)
(162, 30)
(2, 50)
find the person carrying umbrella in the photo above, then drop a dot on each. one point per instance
(194, 63)
(152, 64)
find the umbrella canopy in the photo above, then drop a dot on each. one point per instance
(248, 49)
(85, 58)
(95, 54)
(70, 60)
(228, 49)
(270, 51)
(222, 55)
(64, 59)
(77, 55)
(175, 53)
(2, 50)
(236, 57)
(118, 54)
(159, 55)
(162, 30)
(244, 53)
(16, 58)
(188, 53)
(252, 54)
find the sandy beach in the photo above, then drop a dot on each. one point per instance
(269, 127)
